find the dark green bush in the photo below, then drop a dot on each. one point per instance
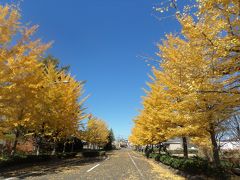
(153, 155)
(69, 155)
(195, 165)
(168, 161)
(163, 158)
(33, 158)
(177, 163)
(92, 153)
(191, 166)
(157, 157)
(26, 159)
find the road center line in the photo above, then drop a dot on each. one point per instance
(135, 165)
(93, 168)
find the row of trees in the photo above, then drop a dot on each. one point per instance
(195, 88)
(38, 99)
(97, 134)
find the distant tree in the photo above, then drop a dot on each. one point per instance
(38, 97)
(20, 73)
(53, 60)
(97, 132)
(111, 138)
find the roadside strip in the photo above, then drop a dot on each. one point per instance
(135, 165)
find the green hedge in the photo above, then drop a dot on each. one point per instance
(33, 159)
(67, 155)
(193, 165)
(93, 153)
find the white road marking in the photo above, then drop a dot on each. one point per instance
(107, 159)
(135, 165)
(135, 157)
(93, 168)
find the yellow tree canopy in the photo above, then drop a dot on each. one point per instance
(97, 132)
(20, 70)
(35, 98)
(59, 106)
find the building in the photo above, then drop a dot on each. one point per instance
(230, 145)
(121, 143)
(176, 143)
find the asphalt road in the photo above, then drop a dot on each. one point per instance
(118, 165)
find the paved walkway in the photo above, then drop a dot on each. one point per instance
(119, 165)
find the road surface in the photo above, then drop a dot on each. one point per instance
(118, 165)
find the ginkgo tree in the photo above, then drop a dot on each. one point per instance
(199, 75)
(96, 132)
(215, 35)
(21, 71)
(59, 110)
(36, 98)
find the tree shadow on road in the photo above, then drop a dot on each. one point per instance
(46, 168)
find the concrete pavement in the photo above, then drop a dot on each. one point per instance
(119, 165)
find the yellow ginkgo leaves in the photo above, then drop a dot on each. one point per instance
(36, 98)
(197, 86)
(96, 132)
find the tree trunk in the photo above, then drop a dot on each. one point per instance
(39, 145)
(159, 148)
(185, 147)
(54, 149)
(15, 143)
(72, 147)
(38, 150)
(64, 147)
(146, 149)
(215, 149)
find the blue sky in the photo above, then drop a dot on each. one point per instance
(102, 42)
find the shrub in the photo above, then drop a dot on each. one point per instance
(69, 155)
(92, 153)
(19, 159)
(163, 158)
(26, 159)
(168, 160)
(191, 166)
(177, 163)
(195, 165)
(157, 157)
(153, 155)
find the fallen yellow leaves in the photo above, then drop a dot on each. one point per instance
(165, 173)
